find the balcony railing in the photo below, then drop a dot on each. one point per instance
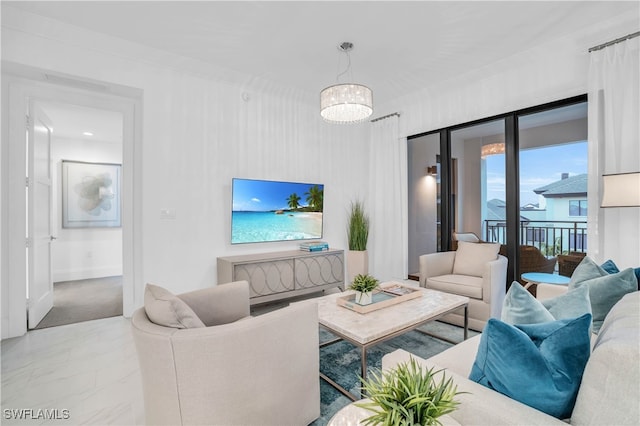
(551, 237)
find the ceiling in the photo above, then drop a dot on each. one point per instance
(400, 46)
(71, 121)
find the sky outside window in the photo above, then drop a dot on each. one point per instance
(538, 167)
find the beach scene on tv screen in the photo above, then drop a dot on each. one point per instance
(275, 211)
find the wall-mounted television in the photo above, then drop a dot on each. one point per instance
(265, 210)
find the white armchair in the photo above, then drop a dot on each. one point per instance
(231, 369)
(475, 270)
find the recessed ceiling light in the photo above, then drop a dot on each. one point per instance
(87, 133)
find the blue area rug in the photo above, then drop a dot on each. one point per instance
(341, 361)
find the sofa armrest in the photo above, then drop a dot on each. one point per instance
(494, 283)
(479, 405)
(221, 304)
(436, 264)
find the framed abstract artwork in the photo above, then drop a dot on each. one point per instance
(90, 195)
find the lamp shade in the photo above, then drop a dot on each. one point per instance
(621, 190)
(346, 103)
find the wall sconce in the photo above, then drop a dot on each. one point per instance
(621, 190)
(431, 170)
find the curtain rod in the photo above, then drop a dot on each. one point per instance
(612, 42)
(385, 116)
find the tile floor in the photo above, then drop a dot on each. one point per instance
(88, 368)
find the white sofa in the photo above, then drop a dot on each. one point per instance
(609, 392)
(237, 369)
(484, 283)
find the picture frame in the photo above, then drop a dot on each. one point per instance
(91, 195)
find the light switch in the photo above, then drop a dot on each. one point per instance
(168, 214)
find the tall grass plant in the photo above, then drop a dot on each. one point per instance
(358, 227)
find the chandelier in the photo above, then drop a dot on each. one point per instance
(347, 102)
(492, 149)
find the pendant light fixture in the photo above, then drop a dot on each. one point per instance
(347, 102)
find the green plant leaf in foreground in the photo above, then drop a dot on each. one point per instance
(410, 394)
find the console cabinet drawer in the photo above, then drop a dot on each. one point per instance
(279, 275)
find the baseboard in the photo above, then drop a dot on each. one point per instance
(85, 274)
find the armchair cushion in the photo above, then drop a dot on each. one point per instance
(472, 257)
(166, 309)
(462, 285)
(520, 307)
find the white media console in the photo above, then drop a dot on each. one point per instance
(279, 275)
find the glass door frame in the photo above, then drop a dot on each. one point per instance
(512, 175)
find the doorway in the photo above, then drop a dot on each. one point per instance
(23, 85)
(86, 253)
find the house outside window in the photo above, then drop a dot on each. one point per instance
(537, 235)
(578, 241)
(577, 207)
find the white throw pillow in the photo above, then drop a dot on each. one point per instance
(471, 257)
(166, 309)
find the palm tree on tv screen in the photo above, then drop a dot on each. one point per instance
(293, 201)
(315, 197)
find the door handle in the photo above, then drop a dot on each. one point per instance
(51, 238)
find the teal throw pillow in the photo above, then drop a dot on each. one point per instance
(605, 290)
(540, 365)
(520, 307)
(612, 268)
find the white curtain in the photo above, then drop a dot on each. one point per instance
(614, 147)
(387, 201)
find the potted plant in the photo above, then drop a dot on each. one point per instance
(410, 394)
(364, 286)
(358, 235)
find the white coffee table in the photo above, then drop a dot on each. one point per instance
(366, 330)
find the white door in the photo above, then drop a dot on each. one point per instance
(40, 284)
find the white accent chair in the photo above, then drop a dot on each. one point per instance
(475, 270)
(233, 369)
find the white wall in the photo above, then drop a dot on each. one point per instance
(84, 252)
(198, 133)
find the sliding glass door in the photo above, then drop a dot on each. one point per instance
(477, 176)
(553, 186)
(518, 179)
(424, 197)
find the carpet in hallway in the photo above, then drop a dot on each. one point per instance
(84, 300)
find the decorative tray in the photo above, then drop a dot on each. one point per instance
(388, 294)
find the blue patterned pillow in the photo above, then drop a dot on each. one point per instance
(520, 307)
(540, 365)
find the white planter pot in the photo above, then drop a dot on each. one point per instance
(357, 263)
(364, 298)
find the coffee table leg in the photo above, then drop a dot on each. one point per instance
(363, 366)
(363, 362)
